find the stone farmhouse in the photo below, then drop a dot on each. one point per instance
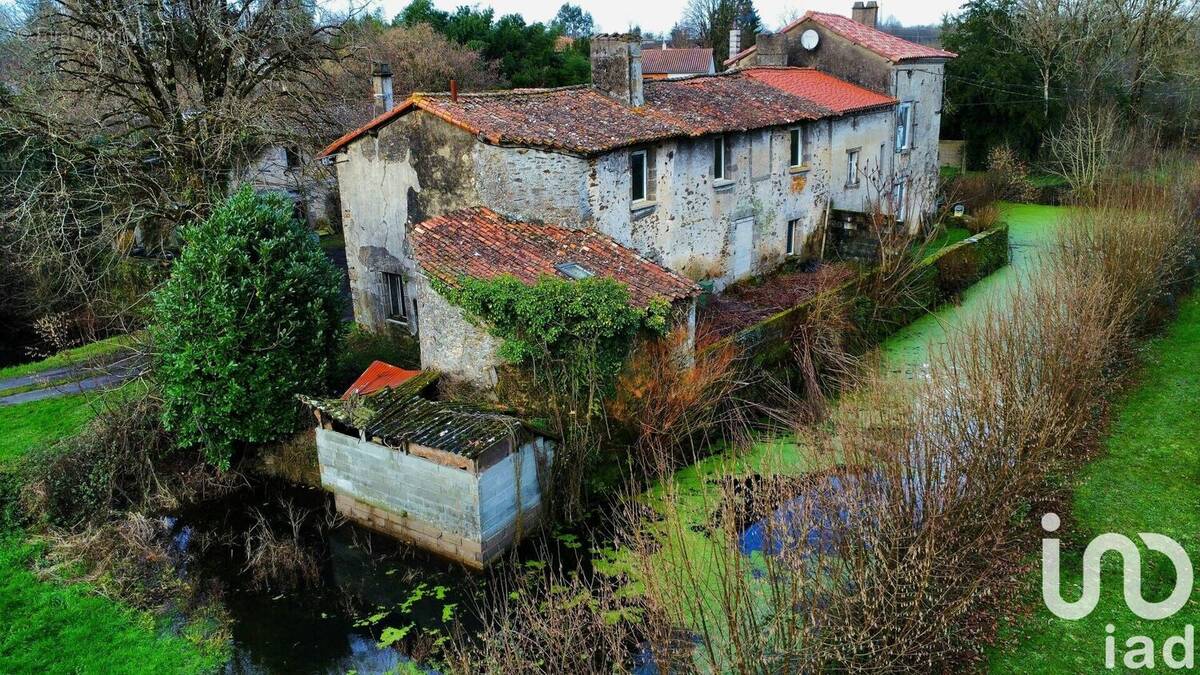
(668, 185)
(855, 50)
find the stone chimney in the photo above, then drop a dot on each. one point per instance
(735, 41)
(381, 82)
(617, 67)
(866, 13)
(772, 49)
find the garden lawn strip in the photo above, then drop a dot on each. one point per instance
(1146, 480)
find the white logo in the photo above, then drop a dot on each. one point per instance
(1132, 562)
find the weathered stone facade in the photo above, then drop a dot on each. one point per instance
(918, 82)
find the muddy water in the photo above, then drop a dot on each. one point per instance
(377, 603)
(367, 585)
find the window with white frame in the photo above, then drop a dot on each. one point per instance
(638, 175)
(900, 200)
(719, 158)
(852, 166)
(397, 303)
(795, 147)
(793, 234)
(904, 126)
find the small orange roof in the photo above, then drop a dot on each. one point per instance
(377, 376)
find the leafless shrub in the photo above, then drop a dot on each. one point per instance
(673, 402)
(895, 560)
(1084, 148)
(280, 560)
(549, 623)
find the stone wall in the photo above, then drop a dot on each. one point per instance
(460, 514)
(921, 84)
(415, 168)
(452, 344)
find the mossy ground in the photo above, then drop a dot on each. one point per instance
(1147, 480)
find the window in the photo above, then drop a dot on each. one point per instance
(397, 306)
(574, 271)
(899, 200)
(796, 147)
(793, 231)
(291, 157)
(719, 158)
(903, 126)
(637, 174)
(852, 166)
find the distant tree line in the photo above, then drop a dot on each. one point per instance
(1043, 76)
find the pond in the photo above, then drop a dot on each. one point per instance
(376, 603)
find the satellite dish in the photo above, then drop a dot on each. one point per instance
(810, 39)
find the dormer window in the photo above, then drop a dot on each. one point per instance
(574, 271)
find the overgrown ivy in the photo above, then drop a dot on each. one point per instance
(587, 325)
(570, 339)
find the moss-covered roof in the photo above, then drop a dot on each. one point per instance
(403, 414)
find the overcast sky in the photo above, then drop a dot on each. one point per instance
(660, 15)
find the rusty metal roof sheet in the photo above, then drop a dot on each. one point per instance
(403, 414)
(691, 61)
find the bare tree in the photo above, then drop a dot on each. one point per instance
(1084, 148)
(134, 115)
(1051, 32)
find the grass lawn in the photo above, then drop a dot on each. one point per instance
(1147, 480)
(49, 628)
(70, 357)
(52, 628)
(26, 426)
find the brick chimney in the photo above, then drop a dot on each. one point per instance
(617, 67)
(772, 49)
(866, 13)
(381, 82)
(735, 41)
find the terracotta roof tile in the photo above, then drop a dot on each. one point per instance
(720, 103)
(677, 61)
(821, 88)
(584, 121)
(478, 242)
(886, 45)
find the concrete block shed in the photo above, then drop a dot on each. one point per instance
(454, 479)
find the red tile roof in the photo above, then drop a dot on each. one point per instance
(379, 376)
(693, 61)
(584, 121)
(888, 46)
(576, 119)
(720, 103)
(821, 88)
(478, 242)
